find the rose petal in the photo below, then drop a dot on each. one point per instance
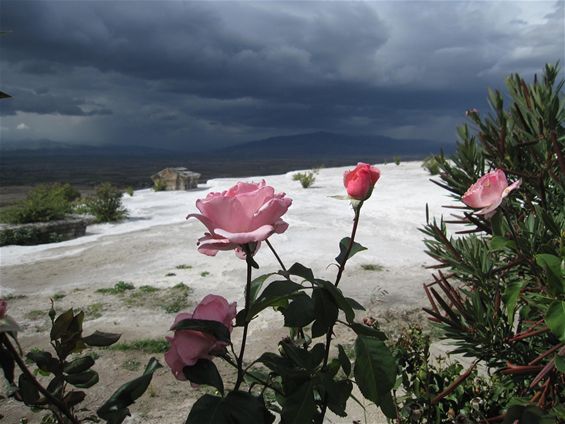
(260, 234)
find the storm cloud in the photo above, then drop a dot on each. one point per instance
(194, 75)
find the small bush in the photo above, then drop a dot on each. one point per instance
(129, 190)
(397, 160)
(106, 204)
(159, 185)
(305, 178)
(432, 164)
(44, 203)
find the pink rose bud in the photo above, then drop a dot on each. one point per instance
(488, 192)
(188, 346)
(247, 213)
(3, 307)
(360, 181)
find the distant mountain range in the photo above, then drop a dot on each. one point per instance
(321, 145)
(48, 161)
(332, 145)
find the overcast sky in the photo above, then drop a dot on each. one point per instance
(199, 74)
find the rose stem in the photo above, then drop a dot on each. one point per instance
(337, 280)
(249, 261)
(53, 400)
(276, 255)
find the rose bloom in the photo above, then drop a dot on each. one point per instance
(188, 346)
(247, 213)
(3, 307)
(360, 181)
(488, 192)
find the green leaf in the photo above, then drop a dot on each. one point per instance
(325, 310)
(61, 324)
(337, 393)
(375, 369)
(83, 380)
(73, 398)
(344, 360)
(215, 328)
(204, 372)
(79, 365)
(236, 408)
(28, 391)
(365, 330)
(552, 267)
(301, 271)
(300, 312)
(526, 414)
(283, 366)
(115, 410)
(207, 410)
(500, 243)
(274, 293)
(299, 406)
(354, 304)
(510, 298)
(555, 319)
(44, 361)
(256, 285)
(244, 408)
(560, 363)
(343, 245)
(101, 339)
(338, 298)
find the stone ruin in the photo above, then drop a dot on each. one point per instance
(176, 179)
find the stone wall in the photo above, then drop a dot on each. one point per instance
(44, 232)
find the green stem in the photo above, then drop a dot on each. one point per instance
(52, 400)
(249, 261)
(276, 255)
(337, 280)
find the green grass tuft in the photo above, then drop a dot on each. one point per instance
(119, 288)
(142, 345)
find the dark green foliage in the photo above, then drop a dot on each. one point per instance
(68, 369)
(501, 293)
(422, 379)
(106, 204)
(115, 409)
(44, 203)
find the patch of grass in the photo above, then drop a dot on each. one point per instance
(58, 296)
(142, 345)
(94, 311)
(119, 288)
(204, 274)
(170, 274)
(14, 296)
(372, 267)
(148, 289)
(184, 266)
(171, 300)
(176, 298)
(131, 365)
(36, 314)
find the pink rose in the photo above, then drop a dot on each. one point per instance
(3, 307)
(247, 213)
(488, 192)
(188, 346)
(360, 181)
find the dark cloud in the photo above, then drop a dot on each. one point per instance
(197, 74)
